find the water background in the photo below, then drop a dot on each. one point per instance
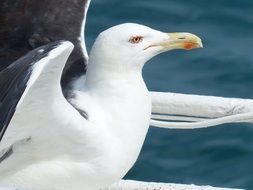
(220, 156)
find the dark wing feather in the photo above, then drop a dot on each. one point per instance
(28, 24)
(13, 82)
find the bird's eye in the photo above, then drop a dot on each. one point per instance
(136, 39)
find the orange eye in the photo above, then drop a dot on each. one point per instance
(136, 39)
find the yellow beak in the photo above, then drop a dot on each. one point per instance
(185, 41)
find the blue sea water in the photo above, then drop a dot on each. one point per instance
(220, 156)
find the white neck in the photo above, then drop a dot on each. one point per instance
(108, 76)
(122, 94)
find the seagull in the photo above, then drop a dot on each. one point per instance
(27, 25)
(92, 139)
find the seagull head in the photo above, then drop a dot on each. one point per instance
(132, 45)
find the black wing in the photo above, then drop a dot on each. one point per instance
(28, 24)
(14, 79)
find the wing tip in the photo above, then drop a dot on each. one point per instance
(39, 53)
(58, 47)
(65, 43)
(54, 45)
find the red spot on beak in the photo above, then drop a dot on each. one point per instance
(189, 45)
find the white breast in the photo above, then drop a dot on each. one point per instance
(124, 120)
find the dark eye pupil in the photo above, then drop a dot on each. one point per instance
(135, 39)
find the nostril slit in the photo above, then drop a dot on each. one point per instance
(182, 38)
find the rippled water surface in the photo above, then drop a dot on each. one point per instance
(220, 156)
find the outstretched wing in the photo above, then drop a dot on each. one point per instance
(31, 79)
(26, 25)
